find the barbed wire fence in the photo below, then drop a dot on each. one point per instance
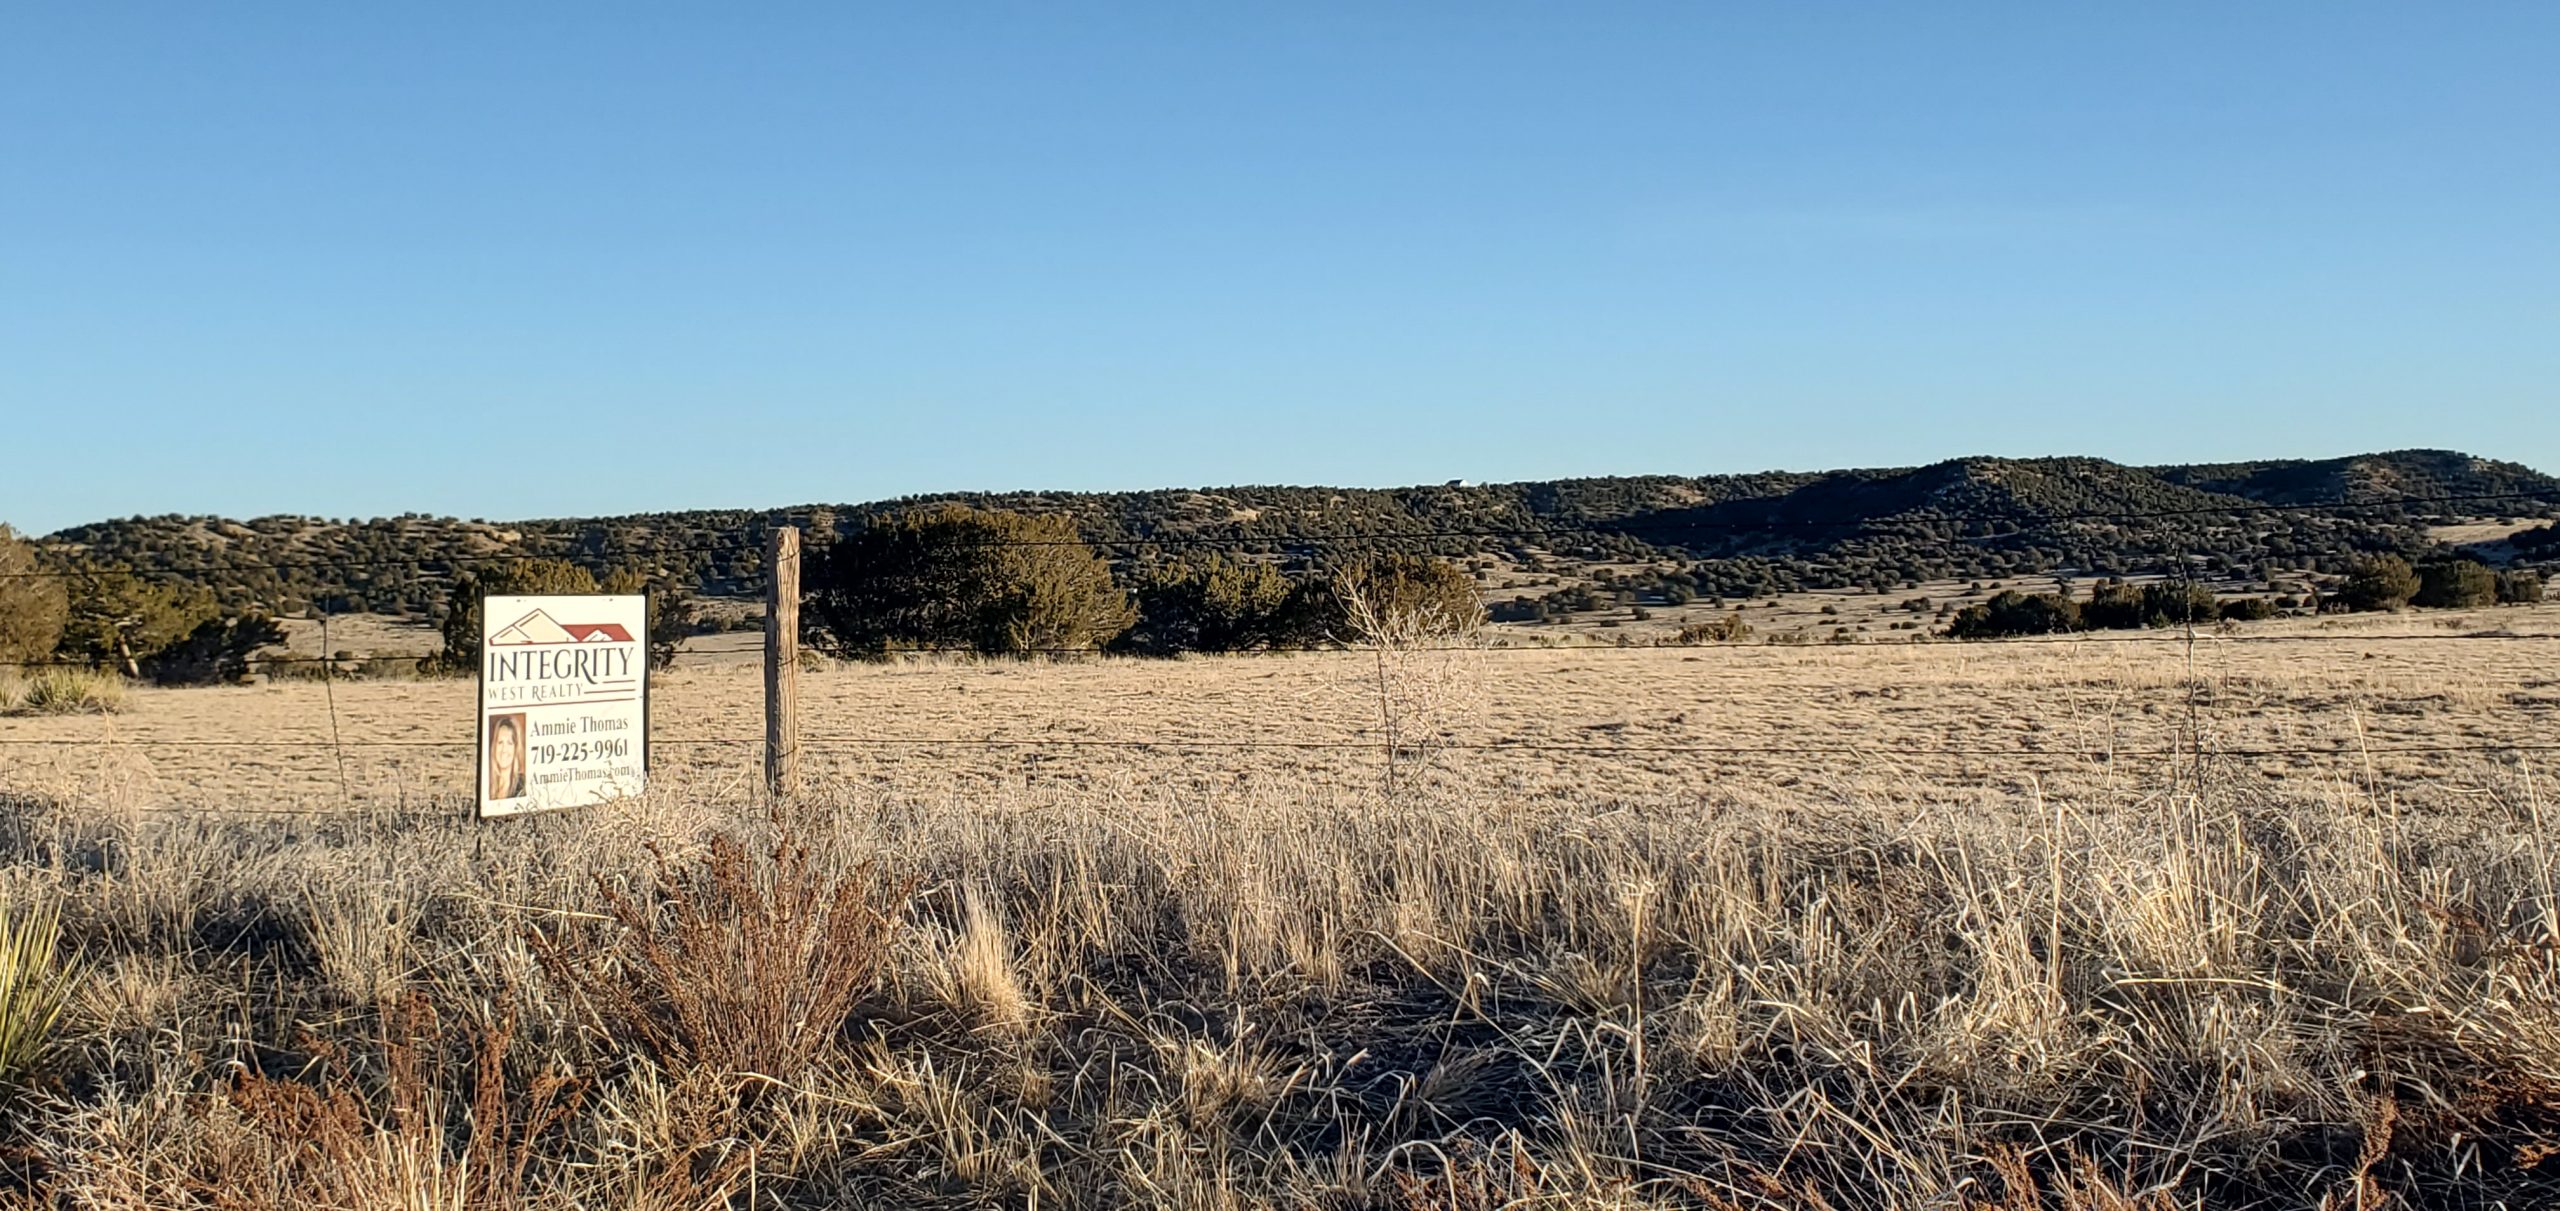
(2188, 753)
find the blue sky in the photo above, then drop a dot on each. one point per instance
(533, 260)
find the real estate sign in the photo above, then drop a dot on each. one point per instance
(564, 701)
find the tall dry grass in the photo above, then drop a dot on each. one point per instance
(2244, 994)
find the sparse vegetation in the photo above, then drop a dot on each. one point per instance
(1200, 977)
(1696, 970)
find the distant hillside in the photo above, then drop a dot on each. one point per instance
(1971, 517)
(2362, 477)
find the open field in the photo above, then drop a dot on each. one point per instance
(1579, 724)
(1892, 926)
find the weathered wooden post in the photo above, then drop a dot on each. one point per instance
(782, 663)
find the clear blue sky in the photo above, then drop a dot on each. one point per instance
(525, 260)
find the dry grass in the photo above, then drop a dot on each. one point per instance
(2050, 701)
(1222, 979)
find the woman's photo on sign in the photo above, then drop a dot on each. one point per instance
(506, 756)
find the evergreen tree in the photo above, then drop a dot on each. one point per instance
(1214, 603)
(118, 619)
(2456, 585)
(33, 606)
(2519, 586)
(2010, 612)
(518, 577)
(216, 652)
(954, 576)
(2381, 582)
(1392, 597)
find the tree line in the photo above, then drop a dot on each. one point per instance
(942, 577)
(955, 577)
(2376, 583)
(81, 610)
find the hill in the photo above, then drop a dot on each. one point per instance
(1735, 534)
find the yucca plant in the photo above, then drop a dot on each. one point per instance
(63, 691)
(35, 982)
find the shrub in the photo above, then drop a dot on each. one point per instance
(2381, 582)
(1391, 599)
(1728, 629)
(461, 654)
(742, 963)
(2248, 609)
(2519, 587)
(2010, 612)
(32, 607)
(71, 691)
(2116, 606)
(1211, 604)
(953, 576)
(2456, 585)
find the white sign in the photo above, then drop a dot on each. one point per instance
(564, 701)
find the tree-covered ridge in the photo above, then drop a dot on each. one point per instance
(2423, 473)
(1742, 533)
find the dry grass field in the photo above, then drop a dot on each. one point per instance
(1861, 926)
(1576, 724)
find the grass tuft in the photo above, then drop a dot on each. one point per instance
(61, 691)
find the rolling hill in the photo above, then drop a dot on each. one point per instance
(1758, 532)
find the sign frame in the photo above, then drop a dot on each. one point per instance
(533, 613)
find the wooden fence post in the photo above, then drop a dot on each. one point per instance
(782, 663)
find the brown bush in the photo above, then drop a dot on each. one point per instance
(1728, 629)
(739, 963)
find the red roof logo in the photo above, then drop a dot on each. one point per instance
(538, 628)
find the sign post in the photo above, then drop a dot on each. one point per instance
(564, 701)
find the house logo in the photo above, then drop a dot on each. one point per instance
(538, 629)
